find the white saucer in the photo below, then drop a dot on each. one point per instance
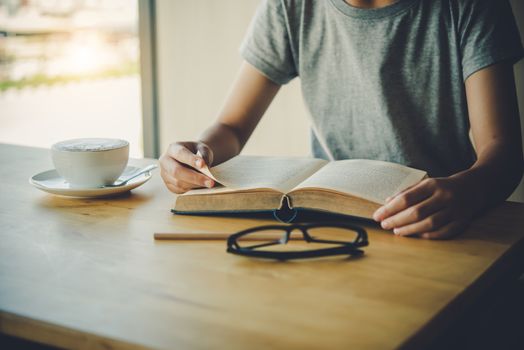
(50, 181)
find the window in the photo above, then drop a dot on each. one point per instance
(69, 68)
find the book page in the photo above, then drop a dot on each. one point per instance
(277, 173)
(368, 179)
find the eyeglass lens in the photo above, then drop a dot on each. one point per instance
(275, 239)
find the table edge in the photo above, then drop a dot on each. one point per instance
(52, 334)
(508, 266)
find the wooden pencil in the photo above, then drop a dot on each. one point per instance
(216, 236)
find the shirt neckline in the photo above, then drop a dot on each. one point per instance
(374, 13)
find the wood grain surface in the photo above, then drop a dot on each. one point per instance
(87, 274)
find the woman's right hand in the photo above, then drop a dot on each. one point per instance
(179, 163)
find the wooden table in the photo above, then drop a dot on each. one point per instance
(86, 273)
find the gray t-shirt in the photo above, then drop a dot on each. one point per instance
(385, 83)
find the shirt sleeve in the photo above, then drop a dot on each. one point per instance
(267, 43)
(488, 35)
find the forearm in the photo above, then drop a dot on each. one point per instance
(495, 125)
(495, 175)
(250, 96)
(223, 140)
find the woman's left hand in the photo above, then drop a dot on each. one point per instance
(435, 208)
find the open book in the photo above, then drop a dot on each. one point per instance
(354, 187)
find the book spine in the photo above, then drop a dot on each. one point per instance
(286, 213)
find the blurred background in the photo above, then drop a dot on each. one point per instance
(149, 71)
(69, 68)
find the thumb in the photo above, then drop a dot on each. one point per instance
(206, 152)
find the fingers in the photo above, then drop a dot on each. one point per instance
(178, 187)
(171, 183)
(432, 209)
(178, 164)
(405, 200)
(181, 152)
(447, 231)
(206, 153)
(187, 175)
(414, 213)
(183, 178)
(428, 224)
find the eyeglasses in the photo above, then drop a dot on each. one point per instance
(308, 241)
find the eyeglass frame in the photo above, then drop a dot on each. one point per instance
(343, 248)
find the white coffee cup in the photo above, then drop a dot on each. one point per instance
(90, 162)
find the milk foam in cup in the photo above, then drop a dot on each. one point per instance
(90, 162)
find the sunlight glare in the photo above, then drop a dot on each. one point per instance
(87, 54)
